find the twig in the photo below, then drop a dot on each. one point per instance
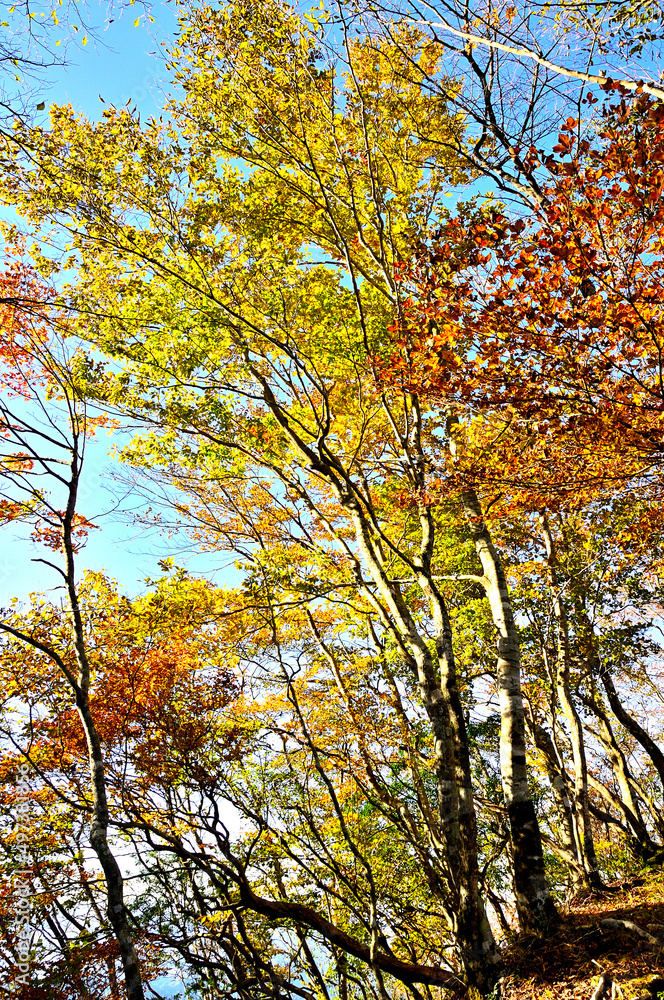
(604, 985)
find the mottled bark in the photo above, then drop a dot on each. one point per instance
(473, 925)
(582, 827)
(534, 903)
(559, 782)
(440, 698)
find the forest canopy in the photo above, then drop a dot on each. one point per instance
(374, 307)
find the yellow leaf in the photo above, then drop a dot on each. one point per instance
(84, 40)
(136, 22)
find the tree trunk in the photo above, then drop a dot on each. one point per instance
(534, 903)
(474, 938)
(630, 723)
(440, 699)
(583, 826)
(559, 782)
(116, 910)
(629, 803)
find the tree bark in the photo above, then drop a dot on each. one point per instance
(559, 782)
(534, 903)
(583, 826)
(116, 910)
(474, 928)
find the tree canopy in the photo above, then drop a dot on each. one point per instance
(426, 708)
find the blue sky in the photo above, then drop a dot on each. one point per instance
(121, 62)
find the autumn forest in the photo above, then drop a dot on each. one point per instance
(373, 315)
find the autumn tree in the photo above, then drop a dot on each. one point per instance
(264, 350)
(546, 343)
(43, 450)
(158, 690)
(525, 70)
(248, 268)
(563, 339)
(318, 788)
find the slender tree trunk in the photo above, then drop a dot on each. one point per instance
(475, 939)
(534, 903)
(559, 782)
(629, 722)
(474, 929)
(116, 910)
(642, 845)
(588, 857)
(442, 704)
(439, 698)
(78, 679)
